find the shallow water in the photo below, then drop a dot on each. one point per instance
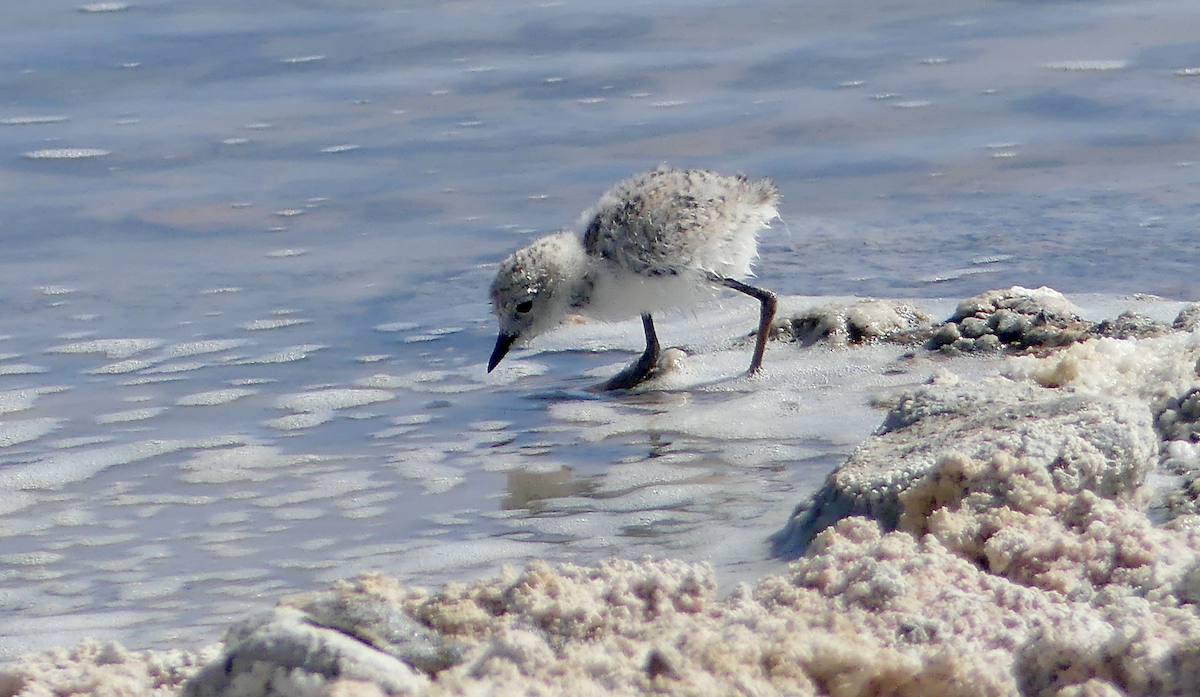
(246, 252)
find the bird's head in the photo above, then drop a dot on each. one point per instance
(533, 289)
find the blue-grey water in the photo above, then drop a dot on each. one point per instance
(245, 252)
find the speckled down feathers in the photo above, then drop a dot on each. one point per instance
(669, 220)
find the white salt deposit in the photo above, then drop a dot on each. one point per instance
(1149, 369)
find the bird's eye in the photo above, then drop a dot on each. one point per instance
(525, 306)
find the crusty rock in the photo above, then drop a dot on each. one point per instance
(1083, 441)
(356, 634)
(1188, 319)
(1178, 418)
(378, 621)
(284, 653)
(1016, 320)
(1130, 325)
(862, 322)
(1185, 499)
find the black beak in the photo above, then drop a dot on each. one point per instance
(503, 343)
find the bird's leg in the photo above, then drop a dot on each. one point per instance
(638, 372)
(767, 298)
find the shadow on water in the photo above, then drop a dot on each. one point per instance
(574, 31)
(1064, 106)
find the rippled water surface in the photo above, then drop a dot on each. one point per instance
(246, 248)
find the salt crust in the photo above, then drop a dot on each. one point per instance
(996, 584)
(860, 322)
(1020, 560)
(103, 669)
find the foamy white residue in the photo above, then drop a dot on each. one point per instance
(331, 399)
(113, 348)
(66, 153)
(130, 415)
(245, 463)
(31, 120)
(21, 369)
(395, 327)
(63, 468)
(1087, 65)
(104, 7)
(196, 348)
(277, 323)
(287, 355)
(14, 432)
(214, 397)
(20, 400)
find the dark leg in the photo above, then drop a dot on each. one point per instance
(767, 298)
(638, 372)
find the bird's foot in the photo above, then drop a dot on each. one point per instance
(669, 361)
(634, 375)
(755, 369)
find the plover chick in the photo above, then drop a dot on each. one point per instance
(660, 240)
